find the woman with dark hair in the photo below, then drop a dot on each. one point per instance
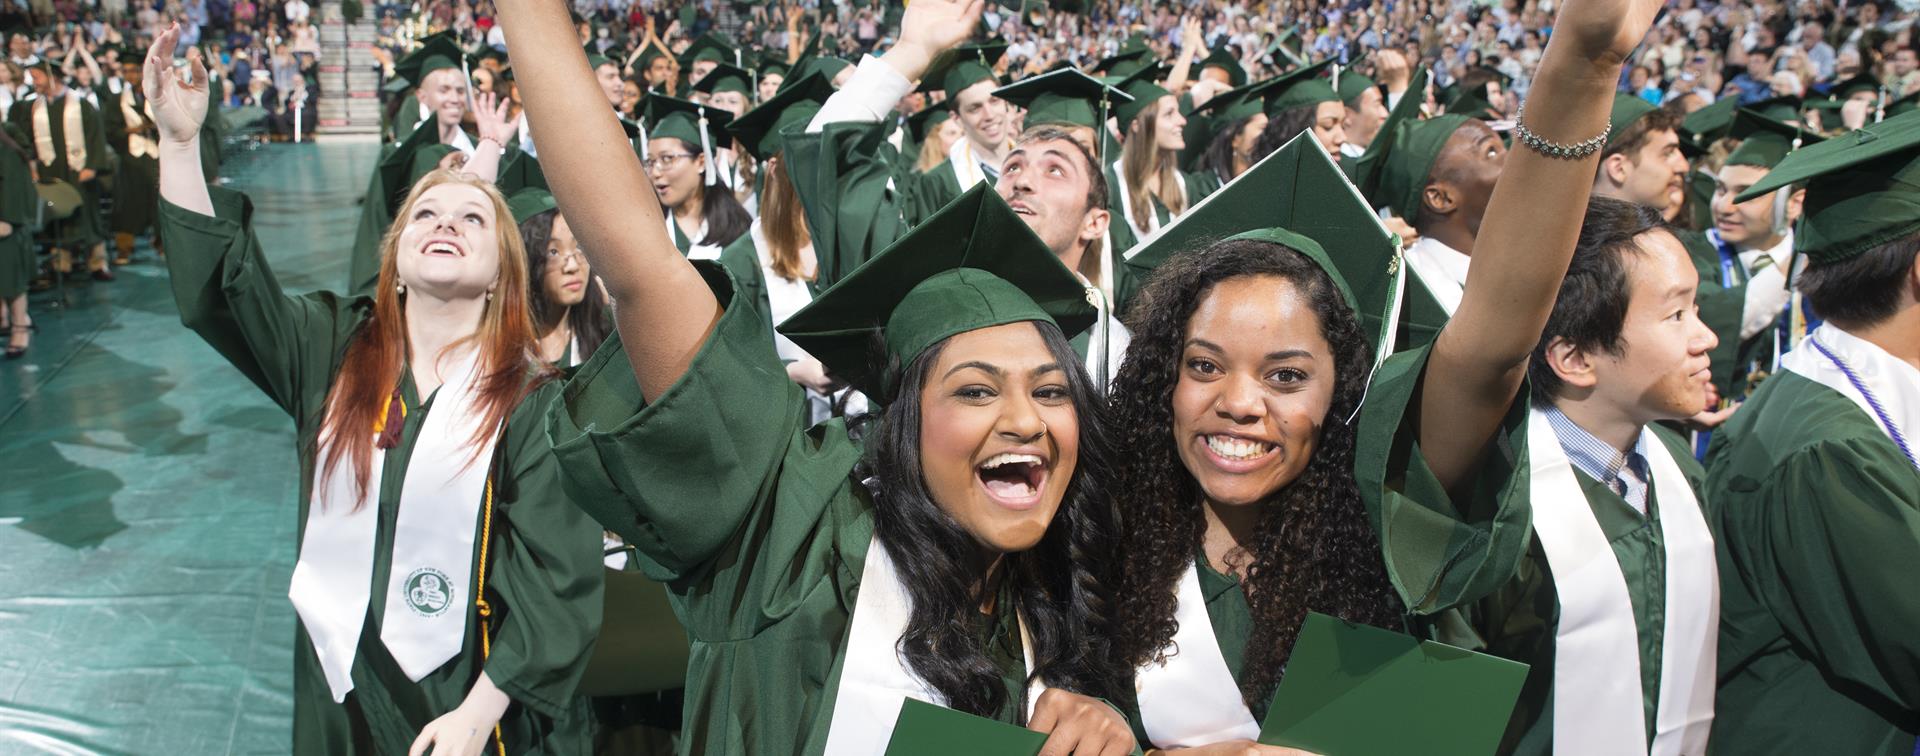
(703, 214)
(1238, 124)
(1255, 488)
(569, 311)
(447, 593)
(953, 564)
(1299, 102)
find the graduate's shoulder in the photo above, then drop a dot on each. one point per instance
(1792, 427)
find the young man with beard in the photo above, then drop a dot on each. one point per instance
(842, 168)
(1814, 484)
(968, 82)
(1437, 175)
(69, 144)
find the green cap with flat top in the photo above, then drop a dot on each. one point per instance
(596, 57)
(760, 130)
(964, 67)
(1298, 198)
(725, 77)
(437, 52)
(1063, 96)
(1865, 82)
(1133, 54)
(411, 158)
(974, 264)
(1352, 85)
(1782, 108)
(712, 46)
(1222, 57)
(1141, 85)
(1287, 49)
(1764, 141)
(925, 121)
(1232, 105)
(1627, 108)
(674, 118)
(1298, 88)
(1863, 189)
(1397, 165)
(1710, 123)
(530, 202)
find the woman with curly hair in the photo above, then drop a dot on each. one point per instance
(819, 589)
(1255, 489)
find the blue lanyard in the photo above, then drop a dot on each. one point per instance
(1873, 402)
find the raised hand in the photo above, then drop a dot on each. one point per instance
(1603, 31)
(490, 118)
(940, 25)
(179, 107)
(1191, 42)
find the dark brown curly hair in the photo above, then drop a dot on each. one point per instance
(1313, 549)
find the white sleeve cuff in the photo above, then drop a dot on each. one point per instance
(869, 95)
(1767, 295)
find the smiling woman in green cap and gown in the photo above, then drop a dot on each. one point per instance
(1275, 443)
(725, 87)
(1146, 188)
(1814, 481)
(416, 409)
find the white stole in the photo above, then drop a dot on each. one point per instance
(695, 250)
(1426, 258)
(432, 560)
(1596, 675)
(1894, 383)
(1140, 231)
(966, 168)
(874, 680)
(72, 131)
(1191, 699)
(138, 143)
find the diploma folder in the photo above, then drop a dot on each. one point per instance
(924, 729)
(1356, 690)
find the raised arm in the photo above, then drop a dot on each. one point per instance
(1190, 43)
(179, 110)
(664, 309)
(1526, 242)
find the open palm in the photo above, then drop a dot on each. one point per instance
(1605, 30)
(179, 107)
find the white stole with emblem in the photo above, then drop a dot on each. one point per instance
(138, 143)
(73, 131)
(431, 566)
(874, 680)
(1894, 383)
(1191, 699)
(1596, 674)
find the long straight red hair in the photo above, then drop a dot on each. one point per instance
(371, 369)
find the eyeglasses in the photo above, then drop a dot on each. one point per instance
(559, 259)
(665, 160)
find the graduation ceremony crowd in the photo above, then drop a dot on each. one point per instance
(713, 378)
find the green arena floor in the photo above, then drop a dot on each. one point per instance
(147, 512)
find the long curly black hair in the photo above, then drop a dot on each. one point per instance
(1313, 548)
(1060, 587)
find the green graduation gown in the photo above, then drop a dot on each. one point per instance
(752, 520)
(544, 579)
(1198, 186)
(83, 229)
(1520, 620)
(136, 182)
(18, 208)
(1816, 516)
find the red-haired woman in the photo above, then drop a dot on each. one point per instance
(447, 594)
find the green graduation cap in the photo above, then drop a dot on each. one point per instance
(1865, 82)
(1232, 105)
(1287, 49)
(770, 61)
(596, 57)
(438, 52)
(411, 158)
(759, 130)
(1352, 85)
(725, 77)
(974, 264)
(1133, 54)
(964, 67)
(702, 126)
(1765, 141)
(1300, 87)
(1063, 96)
(648, 55)
(1222, 57)
(530, 202)
(1627, 108)
(1863, 189)
(924, 122)
(1142, 86)
(1465, 103)
(520, 171)
(1701, 128)
(1782, 108)
(1395, 168)
(712, 46)
(1298, 198)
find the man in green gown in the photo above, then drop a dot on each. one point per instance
(986, 127)
(1814, 488)
(440, 87)
(136, 184)
(69, 143)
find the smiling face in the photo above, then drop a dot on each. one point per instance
(564, 280)
(732, 102)
(999, 436)
(1661, 372)
(770, 85)
(1168, 124)
(676, 171)
(450, 246)
(948, 132)
(1748, 225)
(1048, 183)
(982, 115)
(608, 75)
(1256, 379)
(444, 93)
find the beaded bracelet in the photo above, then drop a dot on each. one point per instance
(1553, 149)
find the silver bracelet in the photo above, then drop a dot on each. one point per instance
(1553, 149)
